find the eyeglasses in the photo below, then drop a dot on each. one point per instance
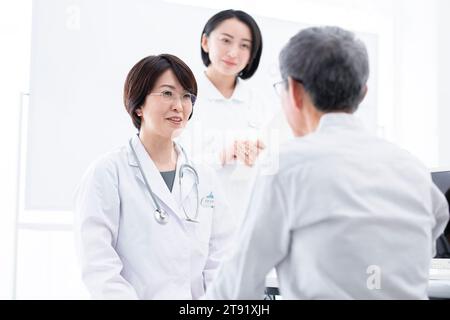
(187, 99)
(278, 86)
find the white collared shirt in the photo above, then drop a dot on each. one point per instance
(347, 216)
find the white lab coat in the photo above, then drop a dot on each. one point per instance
(347, 216)
(125, 253)
(217, 122)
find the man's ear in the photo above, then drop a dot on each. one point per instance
(295, 93)
(364, 93)
(205, 43)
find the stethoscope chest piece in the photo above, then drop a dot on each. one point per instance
(161, 216)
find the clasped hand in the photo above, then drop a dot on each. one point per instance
(246, 151)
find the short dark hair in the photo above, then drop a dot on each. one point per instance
(257, 44)
(332, 65)
(142, 78)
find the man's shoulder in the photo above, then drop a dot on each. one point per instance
(317, 148)
(299, 150)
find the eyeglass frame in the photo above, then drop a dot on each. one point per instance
(193, 97)
(277, 84)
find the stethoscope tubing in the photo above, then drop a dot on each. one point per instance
(161, 215)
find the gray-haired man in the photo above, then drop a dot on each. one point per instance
(348, 215)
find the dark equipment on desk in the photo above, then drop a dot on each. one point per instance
(442, 180)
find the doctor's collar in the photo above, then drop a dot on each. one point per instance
(338, 118)
(140, 149)
(240, 93)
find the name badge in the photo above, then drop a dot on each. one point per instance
(208, 201)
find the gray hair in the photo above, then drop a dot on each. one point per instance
(331, 64)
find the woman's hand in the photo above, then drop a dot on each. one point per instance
(228, 155)
(246, 151)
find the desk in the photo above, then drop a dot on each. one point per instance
(439, 289)
(272, 285)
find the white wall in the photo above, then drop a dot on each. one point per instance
(444, 83)
(15, 28)
(416, 78)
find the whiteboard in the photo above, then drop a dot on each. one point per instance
(81, 53)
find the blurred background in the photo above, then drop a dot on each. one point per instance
(62, 67)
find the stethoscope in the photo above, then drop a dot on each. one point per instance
(161, 216)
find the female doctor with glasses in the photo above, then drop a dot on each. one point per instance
(149, 223)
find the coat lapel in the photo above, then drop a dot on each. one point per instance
(154, 178)
(188, 180)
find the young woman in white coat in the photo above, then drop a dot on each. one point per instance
(230, 113)
(150, 224)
